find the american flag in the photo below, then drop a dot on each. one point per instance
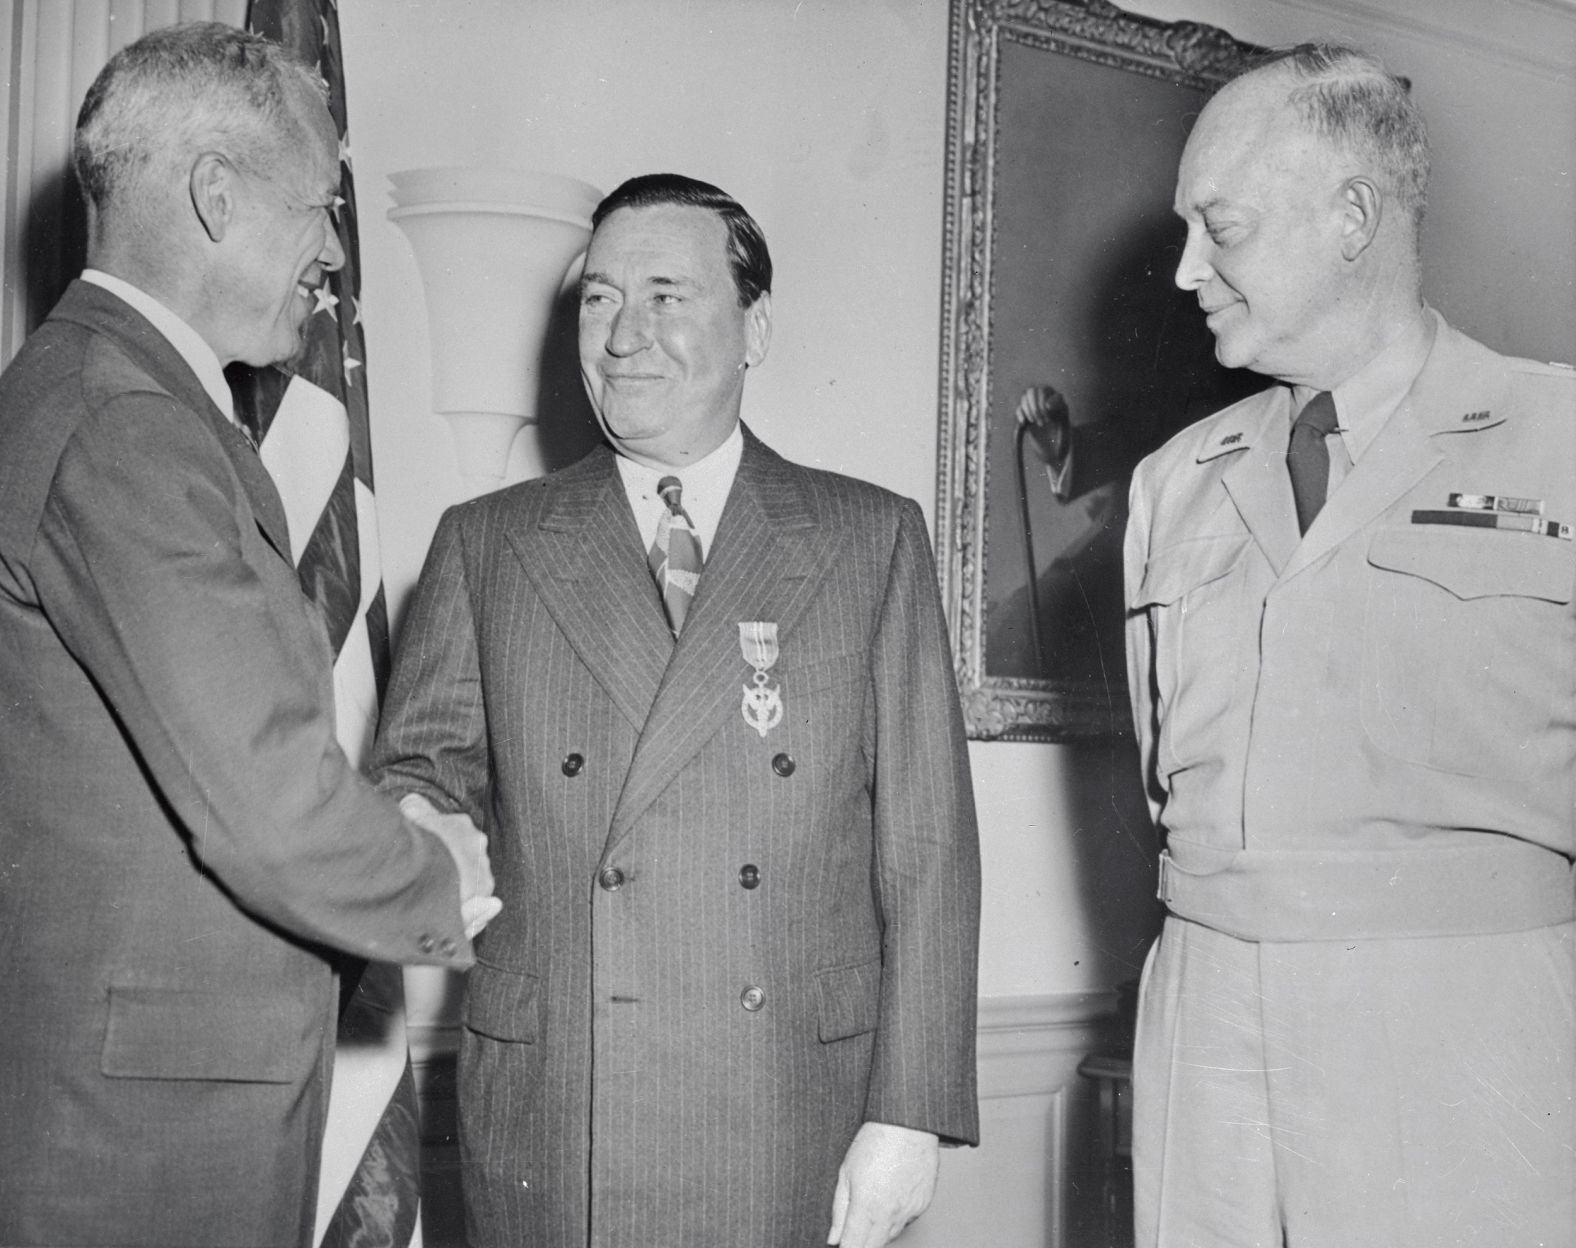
(310, 423)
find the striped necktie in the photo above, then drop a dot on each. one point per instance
(675, 555)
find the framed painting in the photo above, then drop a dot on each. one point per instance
(1068, 353)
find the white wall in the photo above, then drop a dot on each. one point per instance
(826, 119)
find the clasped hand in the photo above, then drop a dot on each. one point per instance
(468, 846)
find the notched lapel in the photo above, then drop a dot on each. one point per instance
(88, 304)
(1400, 456)
(771, 556)
(1261, 492)
(584, 557)
(260, 489)
(1458, 379)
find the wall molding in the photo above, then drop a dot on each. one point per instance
(1471, 26)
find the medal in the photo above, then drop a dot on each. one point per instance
(763, 701)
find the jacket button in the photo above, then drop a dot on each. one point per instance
(572, 764)
(784, 765)
(752, 998)
(426, 943)
(446, 947)
(611, 879)
(750, 875)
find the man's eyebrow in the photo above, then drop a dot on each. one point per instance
(599, 278)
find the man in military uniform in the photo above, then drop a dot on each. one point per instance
(1353, 663)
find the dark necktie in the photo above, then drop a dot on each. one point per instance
(675, 555)
(1308, 458)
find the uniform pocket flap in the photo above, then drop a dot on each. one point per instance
(180, 1033)
(1176, 570)
(1479, 564)
(850, 999)
(502, 1004)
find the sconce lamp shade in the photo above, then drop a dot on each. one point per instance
(493, 247)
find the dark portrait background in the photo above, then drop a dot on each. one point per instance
(1084, 250)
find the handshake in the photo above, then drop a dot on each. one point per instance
(468, 845)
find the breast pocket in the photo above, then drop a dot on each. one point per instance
(1460, 630)
(1195, 595)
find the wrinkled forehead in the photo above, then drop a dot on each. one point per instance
(1247, 140)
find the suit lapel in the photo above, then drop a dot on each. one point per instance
(769, 556)
(1453, 394)
(109, 314)
(1260, 489)
(584, 556)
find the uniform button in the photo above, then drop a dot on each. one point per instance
(750, 875)
(446, 947)
(572, 764)
(426, 943)
(784, 765)
(611, 879)
(752, 998)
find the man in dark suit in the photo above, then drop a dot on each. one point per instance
(732, 997)
(181, 840)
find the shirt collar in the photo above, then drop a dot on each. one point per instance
(1368, 398)
(706, 485)
(188, 343)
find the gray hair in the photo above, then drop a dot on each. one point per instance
(1348, 98)
(181, 90)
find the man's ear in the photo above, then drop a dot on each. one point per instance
(758, 329)
(1362, 207)
(212, 187)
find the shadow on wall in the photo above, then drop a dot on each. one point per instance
(1115, 857)
(55, 243)
(565, 428)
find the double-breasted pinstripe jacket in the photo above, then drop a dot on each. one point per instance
(721, 949)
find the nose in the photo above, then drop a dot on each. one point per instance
(629, 332)
(1193, 270)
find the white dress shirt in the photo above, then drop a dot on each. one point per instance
(188, 343)
(1368, 398)
(706, 484)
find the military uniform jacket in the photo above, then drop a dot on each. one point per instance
(179, 834)
(721, 950)
(1370, 731)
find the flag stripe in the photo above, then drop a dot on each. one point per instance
(314, 437)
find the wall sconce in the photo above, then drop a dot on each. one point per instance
(493, 247)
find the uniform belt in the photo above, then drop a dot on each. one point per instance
(1274, 895)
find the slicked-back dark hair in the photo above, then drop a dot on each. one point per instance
(748, 257)
(1348, 98)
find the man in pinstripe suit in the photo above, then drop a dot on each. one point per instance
(731, 998)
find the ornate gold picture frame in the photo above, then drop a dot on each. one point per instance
(1066, 119)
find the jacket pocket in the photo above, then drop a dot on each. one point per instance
(179, 1033)
(1461, 630)
(849, 999)
(1200, 629)
(502, 1004)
